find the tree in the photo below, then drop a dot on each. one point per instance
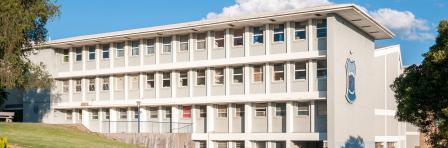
(421, 92)
(22, 27)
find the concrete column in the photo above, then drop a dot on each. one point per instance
(97, 56)
(289, 144)
(85, 118)
(311, 38)
(97, 88)
(142, 52)
(160, 118)
(194, 115)
(289, 78)
(247, 41)
(111, 55)
(289, 117)
(248, 118)
(210, 118)
(83, 89)
(157, 50)
(267, 78)
(141, 85)
(100, 119)
(173, 83)
(209, 45)
(70, 90)
(227, 39)
(210, 144)
(84, 57)
(288, 36)
(74, 117)
(71, 58)
(126, 87)
(174, 43)
(175, 118)
(247, 144)
(190, 82)
(126, 53)
(227, 80)
(129, 119)
(143, 117)
(311, 77)
(208, 77)
(313, 116)
(191, 50)
(157, 84)
(270, 115)
(267, 40)
(111, 87)
(113, 117)
(230, 110)
(247, 79)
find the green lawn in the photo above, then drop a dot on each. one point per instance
(49, 135)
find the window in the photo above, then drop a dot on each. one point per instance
(219, 76)
(303, 109)
(167, 112)
(105, 50)
(166, 79)
(238, 39)
(321, 28)
(122, 112)
(280, 109)
(202, 111)
(321, 108)
(166, 44)
(219, 39)
(279, 32)
(94, 114)
(79, 114)
(201, 42)
(65, 55)
(279, 72)
(239, 110)
(300, 30)
(200, 77)
(239, 144)
(183, 78)
(91, 52)
(222, 111)
(150, 47)
(260, 109)
(300, 70)
(321, 69)
(119, 83)
(69, 115)
(105, 83)
(134, 81)
(153, 113)
(257, 73)
(135, 49)
(258, 35)
(202, 144)
(150, 80)
(186, 111)
(78, 87)
(120, 49)
(106, 114)
(78, 53)
(92, 84)
(238, 75)
(65, 86)
(221, 144)
(136, 113)
(183, 39)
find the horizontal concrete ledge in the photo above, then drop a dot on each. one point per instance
(260, 136)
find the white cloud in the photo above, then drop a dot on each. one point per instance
(403, 23)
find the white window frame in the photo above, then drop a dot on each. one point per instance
(183, 76)
(166, 79)
(153, 113)
(261, 108)
(122, 113)
(184, 42)
(105, 51)
(238, 75)
(134, 79)
(168, 113)
(321, 69)
(297, 69)
(303, 107)
(136, 113)
(296, 29)
(119, 50)
(235, 37)
(170, 44)
(95, 114)
(221, 111)
(279, 32)
(215, 39)
(135, 50)
(276, 72)
(202, 112)
(255, 73)
(202, 41)
(218, 76)
(89, 48)
(150, 46)
(65, 55)
(105, 84)
(318, 28)
(150, 78)
(78, 54)
(65, 86)
(239, 110)
(201, 77)
(280, 108)
(106, 114)
(92, 86)
(257, 34)
(78, 84)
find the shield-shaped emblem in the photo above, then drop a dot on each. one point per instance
(350, 67)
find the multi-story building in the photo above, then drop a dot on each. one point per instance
(300, 78)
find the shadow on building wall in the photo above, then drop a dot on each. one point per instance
(36, 105)
(354, 142)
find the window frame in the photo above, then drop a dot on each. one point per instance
(325, 27)
(254, 73)
(95, 114)
(202, 111)
(78, 85)
(256, 35)
(238, 75)
(69, 115)
(235, 38)
(201, 77)
(135, 50)
(217, 76)
(200, 41)
(187, 42)
(296, 70)
(280, 109)
(321, 69)
(186, 112)
(65, 55)
(106, 114)
(183, 76)
(222, 111)
(166, 44)
(148, 46)
(90, 52)
(239, 110)
(119, 50)
(103, 51)
(215, 39)
(121, 115)
(276, 72)
(151, 111)
(301, 29)
(261, 108)
(303, 107)
(148, 79)
(78, 54)
(105, 83)
(166, 79)
(282, 33)
(92, 87)
(65, 86)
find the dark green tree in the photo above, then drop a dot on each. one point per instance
(422, 92)
(22, 27)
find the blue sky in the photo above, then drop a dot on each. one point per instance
(82, 17)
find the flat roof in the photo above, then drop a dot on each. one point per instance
(350, 12)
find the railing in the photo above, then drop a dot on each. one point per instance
(146, 127)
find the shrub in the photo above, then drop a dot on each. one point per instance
(3, 142)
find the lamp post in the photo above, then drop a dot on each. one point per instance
(138, 115)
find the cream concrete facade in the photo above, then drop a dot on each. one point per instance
(266, 80)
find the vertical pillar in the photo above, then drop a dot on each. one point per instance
(111, 55)
(288, 77)
(129, 119)
(227, 39)
(247, 41)
(311, 77)
(194, 115)
(210, 118)
(227, 80)
(160, 118)
(289, 37)
(97, 88)
(84, 57)
(209, 45)
(248, 118)
(270, 115)
(143, 117)
(141, 52)
(267, 78)
(126, 87)
(313, 116)
(100, 119)
(190, 82)
(157, 50)
(157, 84)
(311, 38)
(70, 58)
(85, 118)
(208, 77)
(289, 117)
(173, 83)
(175, 118)
(83, 89)
(288, 143)
(111, 88)
(247, 80)
(230, 110)
(126, 53)
(74, 116)
(247, 144)
(97, 56)
(174, 43)
(113, 116)
(267, 40)
(191, 47)
(70, 90)
(141, 84)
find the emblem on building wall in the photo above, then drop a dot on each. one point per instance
(350, 68)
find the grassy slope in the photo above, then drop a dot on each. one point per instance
(48, 135)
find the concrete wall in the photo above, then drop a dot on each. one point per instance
(155, 140)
